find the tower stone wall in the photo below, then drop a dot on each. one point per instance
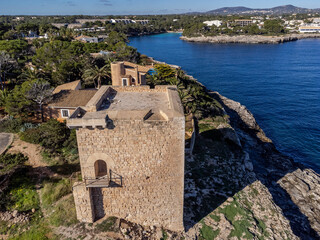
(145, 160)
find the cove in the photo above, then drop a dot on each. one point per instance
(279, 84)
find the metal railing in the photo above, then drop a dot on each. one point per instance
(110, 180)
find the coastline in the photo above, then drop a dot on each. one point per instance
(151, 33)
(249, 39)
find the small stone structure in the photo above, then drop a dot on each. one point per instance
(128, 74)
(131, 148)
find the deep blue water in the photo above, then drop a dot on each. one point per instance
(280, 84)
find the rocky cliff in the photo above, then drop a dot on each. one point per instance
(252, 39)
(253, 190)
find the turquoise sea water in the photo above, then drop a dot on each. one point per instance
(280, 84)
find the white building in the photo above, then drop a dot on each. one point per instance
(217, 23)
(316, 20)
(312, 28)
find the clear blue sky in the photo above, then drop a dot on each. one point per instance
(123, 7)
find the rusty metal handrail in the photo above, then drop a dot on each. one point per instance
(97, 179)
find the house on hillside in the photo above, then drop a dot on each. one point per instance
(66, 99)
(86, 39)
(129, 74)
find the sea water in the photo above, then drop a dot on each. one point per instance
(279, 84)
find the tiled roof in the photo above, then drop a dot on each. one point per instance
(66, 86)
(141, 68)
(81, 37)
(72, 98)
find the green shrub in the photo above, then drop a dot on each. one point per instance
(11, 125)
(9, 161)
(108, 225)
(52, 192)
(64, 213)
(52, 135)
(31, 135)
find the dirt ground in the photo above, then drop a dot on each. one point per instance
(32, 151)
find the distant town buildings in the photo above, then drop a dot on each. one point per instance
(217, 23)
(80, 22)
(100, 54)
(86, 39)
(312, 28)
(243, 22)
(17, 19)
(316, 20)
(128, 21)
(83, 21)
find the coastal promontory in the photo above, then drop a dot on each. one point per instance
(249, 39)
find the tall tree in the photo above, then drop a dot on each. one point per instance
(39, 92)
(95, 75)
(6, 64)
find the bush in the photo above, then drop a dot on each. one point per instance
(51, 135)
(31, 136)
(9, 161)
(11, 125)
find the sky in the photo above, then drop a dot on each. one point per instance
(134, 7)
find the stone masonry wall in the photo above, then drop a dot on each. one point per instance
(149, 155)
(83, 201)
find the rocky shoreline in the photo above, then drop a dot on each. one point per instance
(250, 39)
(293, 188)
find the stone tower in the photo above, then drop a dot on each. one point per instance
(131, 149)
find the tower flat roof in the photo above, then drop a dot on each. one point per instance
(128, 103)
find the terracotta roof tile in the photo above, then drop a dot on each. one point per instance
(66, 86)
(141, 68)
(72, 98)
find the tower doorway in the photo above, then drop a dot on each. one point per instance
(100, 168)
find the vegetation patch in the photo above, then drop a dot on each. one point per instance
(9, 161)
(11, 125)
(21, 194)
(108, 225)
(207, 233)
(37, 232)
(203, 127)
(164, 235)
(54, 190)
(215, 217)
(63, 213)
(240, 220)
